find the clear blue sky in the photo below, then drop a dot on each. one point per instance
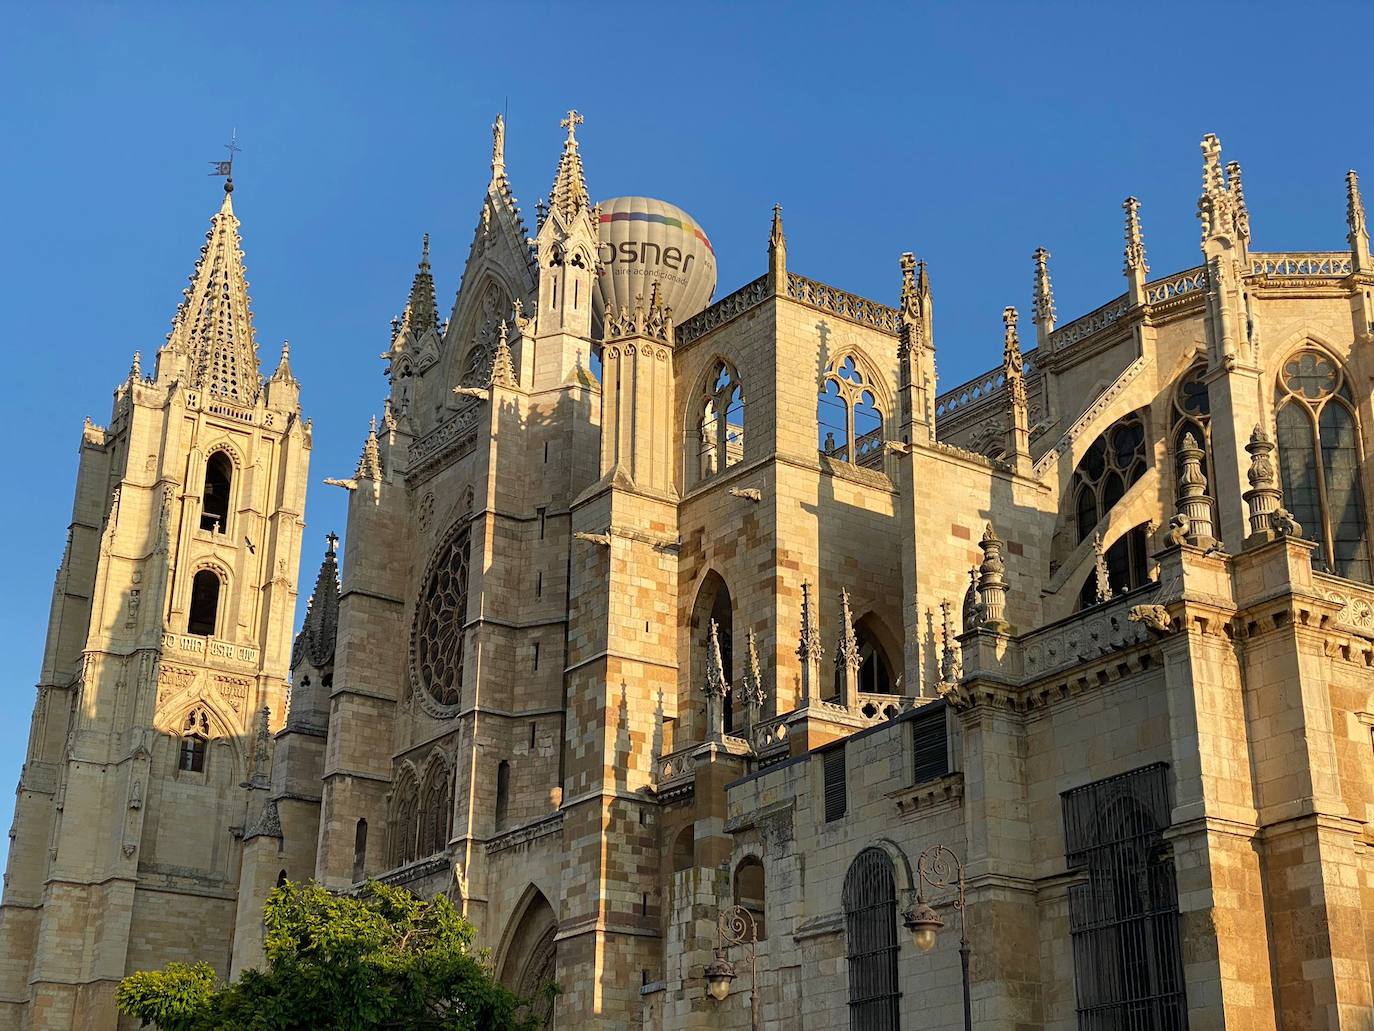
(970, 134)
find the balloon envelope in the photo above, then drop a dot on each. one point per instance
(645, 241)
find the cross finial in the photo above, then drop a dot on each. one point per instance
(571, 123)
(226, 168)
(332, 539)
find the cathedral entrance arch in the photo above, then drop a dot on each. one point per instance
(530, 956)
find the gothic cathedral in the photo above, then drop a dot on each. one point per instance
(684, 642)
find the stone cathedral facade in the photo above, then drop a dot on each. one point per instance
(642, 615)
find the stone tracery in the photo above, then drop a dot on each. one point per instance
(437, 638)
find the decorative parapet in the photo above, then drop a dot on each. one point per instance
(1180, 283)
(847, 306)
(1356, 601)
(1086, 635)
(415, 871)
(542, 828)
(983, 387)
(1093, 322)
(1302, 264)
(770, 736)
(728, 308)
(675, 773)
(458, 431)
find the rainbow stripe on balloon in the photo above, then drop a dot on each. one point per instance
(667, 220)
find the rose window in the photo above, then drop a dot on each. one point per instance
(438, 640)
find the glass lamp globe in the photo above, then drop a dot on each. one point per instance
(719, 973)
(923, 923)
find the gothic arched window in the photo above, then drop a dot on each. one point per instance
(214, 501)
(195, 735)
(1128, 566)
(438, 635)
(718, 418)
(404, 820)
(204, 611)
(1319, 461)
(849, 421)
(1193, 414)
(436, 805)
(870, 925)
(1106, 471)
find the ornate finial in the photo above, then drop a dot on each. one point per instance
(136, 368)
(498, 148)
(950, 672)
(331, 547)
(1194, 504)
(911, 328)
(1242, 211)
(1043, 307)
(809, 649)
(261, 748)
(1358, 234)
(370, 461)
(1135, 242)
(1014, 366)
(226, 168)
(992, 581)
(715, 666)
(847, 649)
(775, 237)
(1102, 587)
(970, 612)
(777, 254)
(571, 123)
(755, 694)
(424, 252)
(502, 365)
(1264, 497)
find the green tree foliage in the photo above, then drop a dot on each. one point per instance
(384, 959)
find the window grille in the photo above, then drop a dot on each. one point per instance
(870, 925)
(930, 744)
(1128, 967)
(835, 796)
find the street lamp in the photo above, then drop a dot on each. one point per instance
(735, 926)
(940, 868)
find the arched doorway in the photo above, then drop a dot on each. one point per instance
(531, 955)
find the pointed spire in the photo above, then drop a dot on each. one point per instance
(283, 370)
(1014, 372)
(949, 655)
(370, 461)
(716, 686)
(1135, 268)
(809, 650)
(847, 657)
(421, 312)
(498, 148)
(910, 330)
(569, 194)
(502, 367)
(754, 692)
(1102, 584)
(1358, 234)
(1241, 210)
(777, 254)
(262, 749)
(1044, 297)
(136, 368)
(213, 326)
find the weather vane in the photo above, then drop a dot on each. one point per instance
(226, 168)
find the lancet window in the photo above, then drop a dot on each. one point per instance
(1319, 461)
(195, 736)
(1193, 414)
(1115, 460)
(436, 810)
(404, 820)
(214, 501)
(204, 610)
(719, 421)
(848, 420)
(1128, 566)
(749, 892)
(875, 670)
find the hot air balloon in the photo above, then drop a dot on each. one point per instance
(644, 241)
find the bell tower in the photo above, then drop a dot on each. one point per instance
(166, 663)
